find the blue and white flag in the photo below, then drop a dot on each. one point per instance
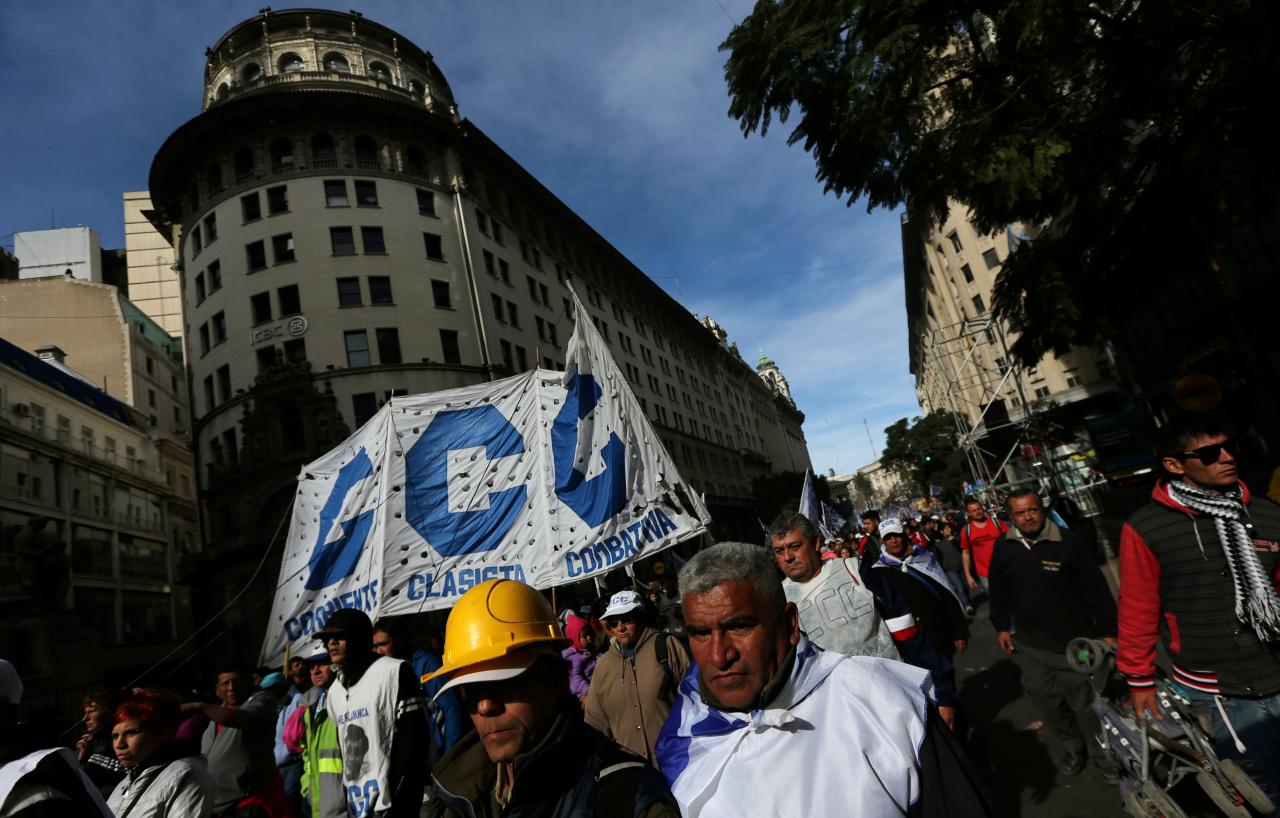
(811, 507)
(545, 477)
(832, 520)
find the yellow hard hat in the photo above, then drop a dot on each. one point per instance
(489, 625)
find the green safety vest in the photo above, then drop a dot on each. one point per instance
(322, 764)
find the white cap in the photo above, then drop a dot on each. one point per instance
(621, 603)
(890, 526)
(10, 683)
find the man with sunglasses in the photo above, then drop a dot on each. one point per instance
(377, 705)
(1199, 569)
(531, 753)
(635, 679)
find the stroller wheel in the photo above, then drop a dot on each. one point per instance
(1220, 797)
(1165, 806)
(1246, 786)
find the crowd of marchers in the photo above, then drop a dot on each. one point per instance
(808, 677)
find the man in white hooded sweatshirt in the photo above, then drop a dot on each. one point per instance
(766, 708)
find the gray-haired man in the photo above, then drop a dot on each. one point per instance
(764, 698)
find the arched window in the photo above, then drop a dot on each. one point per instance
(333, 61)
(223, 91)
(418, 90)
(293, 434)
(367, 153)
(244, 165)
(251, 73)
(323, 152)
(290, 63)
(379, 71)
(416, 161)
(281, 155)
(213, 178)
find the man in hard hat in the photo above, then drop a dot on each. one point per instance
(378, 707)
(531, 752)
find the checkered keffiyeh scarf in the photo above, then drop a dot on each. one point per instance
(1256, 603)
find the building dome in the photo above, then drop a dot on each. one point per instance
(765, 362)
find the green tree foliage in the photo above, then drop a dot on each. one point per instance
(1138, 129)
(925, 452)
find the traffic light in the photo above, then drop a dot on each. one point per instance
(926, 456)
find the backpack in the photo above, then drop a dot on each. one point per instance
(667, 692)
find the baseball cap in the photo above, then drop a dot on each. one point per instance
(272, 679)
(346, 621)
(621, 603)
(890, 526)
(318, 658)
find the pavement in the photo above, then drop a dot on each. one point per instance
(1019, 758)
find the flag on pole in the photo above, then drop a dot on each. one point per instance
(935, 491)
(832, 520)
(811, 507)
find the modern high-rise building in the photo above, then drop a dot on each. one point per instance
(959, 353)
(153, 282)
(343, 235)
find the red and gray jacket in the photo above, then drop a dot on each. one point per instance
(1175, 586)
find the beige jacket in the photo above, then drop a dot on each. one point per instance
(623, 701)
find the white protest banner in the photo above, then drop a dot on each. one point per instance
(545, 477)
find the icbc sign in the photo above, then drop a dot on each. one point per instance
(294, 327)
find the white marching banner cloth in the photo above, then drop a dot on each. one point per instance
(546, 477)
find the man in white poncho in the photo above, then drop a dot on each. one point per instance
(764, 708)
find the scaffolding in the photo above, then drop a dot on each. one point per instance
(967, 368)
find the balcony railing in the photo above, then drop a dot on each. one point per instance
(37, 428)
(296, 77)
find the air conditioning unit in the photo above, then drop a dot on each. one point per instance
(22, 410)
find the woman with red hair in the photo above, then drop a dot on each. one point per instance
(159, 782)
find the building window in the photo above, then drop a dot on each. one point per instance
(513, 314)
(209, 400)
(504, 271)
(266, 359)
(282, 247)
(215, 276)
(210, 228)
(979, 305)
(489, 266)
(289, 63)
(371, 238)
(1073, 381)
(357, 344)
(498, 312)
(1042, 392)
(204, 338)
(367, 153)
(426, 202)
(507, 359)
(522, 359)
(991, 258)
(380, 290)
(364, 405)
(251, 73)
(343, 241)
(200, 293)
(281, 155)
(349, 292)
(278, 200)
(378, 71)
(333, 61)
(256, 256)
(414, 158)
(224, 382)
(290, 302)
(324, 154)
(366, 193)
(482, 221)
(250, 208)
(260, 306)
(449, 346)
(242, 163)
(335, 193)
(440, 293)
(388, 345)
(954, 238)
(967, 271)
(295, 350)
(435, 246)
(219, 322)
(196, 243)
(497, 232)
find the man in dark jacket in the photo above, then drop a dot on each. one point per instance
(1042, 578)
(1199, 568)
(531, 753)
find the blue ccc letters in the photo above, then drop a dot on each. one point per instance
(601, 497)
(333, 562)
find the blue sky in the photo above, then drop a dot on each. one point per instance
(619, 108)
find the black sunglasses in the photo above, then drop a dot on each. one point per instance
(1210, 454)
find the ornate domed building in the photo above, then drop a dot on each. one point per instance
(343, 236)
